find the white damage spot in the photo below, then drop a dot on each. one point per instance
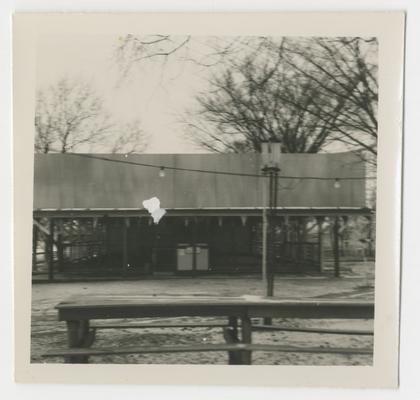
(153, 206)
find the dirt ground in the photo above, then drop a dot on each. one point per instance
(356, 283)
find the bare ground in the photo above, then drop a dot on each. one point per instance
(357, 282)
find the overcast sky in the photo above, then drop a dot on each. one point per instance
(155, 94)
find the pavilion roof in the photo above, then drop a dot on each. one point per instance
(79, 182)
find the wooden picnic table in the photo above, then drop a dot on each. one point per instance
(79, 311)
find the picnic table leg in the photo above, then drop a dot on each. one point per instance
(230, 334)
(246, 355)
(79, 336)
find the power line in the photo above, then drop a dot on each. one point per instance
(205, 171)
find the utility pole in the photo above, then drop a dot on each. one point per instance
(272, 173)
(271, 155)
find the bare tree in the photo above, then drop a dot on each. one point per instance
(305, 92)
(133, 51)
(71, 117)
(346, 70)
(256, 101)
(132, 139)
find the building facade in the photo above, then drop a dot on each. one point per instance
(89, 218)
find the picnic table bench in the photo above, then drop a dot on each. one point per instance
(238, 312)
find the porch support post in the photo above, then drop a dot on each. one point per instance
(50, 251)
(194, 244)
(60, 250)
(155, 249)
(72, 239)
(125, 245)
(319, 221)
(34, 246)
(286, 229)
(336, 247)
(370, 230)
(105, 252)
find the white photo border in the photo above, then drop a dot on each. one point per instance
(388, 27)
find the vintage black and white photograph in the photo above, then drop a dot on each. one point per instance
(204, 200)
(207, 199)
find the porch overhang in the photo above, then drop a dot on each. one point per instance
(209, 211)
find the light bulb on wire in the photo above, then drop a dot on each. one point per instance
(337, 184)
(162, 172)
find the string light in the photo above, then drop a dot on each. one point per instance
(337, 184)
(162, 172)
(166, 167)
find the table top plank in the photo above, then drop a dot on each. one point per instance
(139, 306)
